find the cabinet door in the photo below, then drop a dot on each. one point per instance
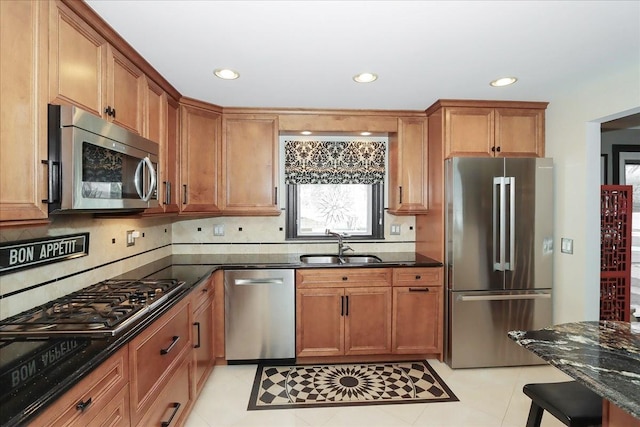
(155, 354)
(249, 165)
(319, 322)
(416, 320)
(169, 176)
(155, 129)
(23, 110)
(469, 132)
(174, 401)
(519, 132)
(77, 62)
(199, 159)
(203, 343)
(408, 168)
(125, 91)
(367, 320)
(93, 396)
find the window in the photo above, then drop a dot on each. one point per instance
(336, 185)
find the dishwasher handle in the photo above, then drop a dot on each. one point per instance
(258, 281)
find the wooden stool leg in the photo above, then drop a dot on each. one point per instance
(535, 415)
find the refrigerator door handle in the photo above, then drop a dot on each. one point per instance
(503, 297)
(511, 182)
(498, 223)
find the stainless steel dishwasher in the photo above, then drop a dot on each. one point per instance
(259, 314)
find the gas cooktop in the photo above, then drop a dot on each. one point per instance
(99, 310)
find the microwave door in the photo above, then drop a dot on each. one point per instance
(111, 175)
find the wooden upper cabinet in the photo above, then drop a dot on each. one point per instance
(249, 166)
(125, 92)
(78, 57)
(408, 168)
(23, 111)
(88, 72)
(169, 175)
(491, 128)
(469, 132)
(201, 128)
(519, 132)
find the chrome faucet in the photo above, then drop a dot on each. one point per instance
(342, 248)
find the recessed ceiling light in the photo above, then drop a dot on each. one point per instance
(226, 73)
(504, 81)
(305, 132)
(365, 133)
(365, 77)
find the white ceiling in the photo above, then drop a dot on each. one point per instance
(305, 53)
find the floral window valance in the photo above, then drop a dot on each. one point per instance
(334, 162)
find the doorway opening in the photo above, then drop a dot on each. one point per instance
(620, 151)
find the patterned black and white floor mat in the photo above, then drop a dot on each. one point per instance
(285, 387)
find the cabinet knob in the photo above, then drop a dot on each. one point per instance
(493, 149)
(345, 278)
(418, 277)
(498, 149)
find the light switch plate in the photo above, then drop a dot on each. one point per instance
(566, 245)
(131, 241)
(395, 229)
(218, 230)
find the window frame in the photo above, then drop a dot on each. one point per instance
(377, 218)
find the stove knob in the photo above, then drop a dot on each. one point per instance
(133, 298)
(151, 294)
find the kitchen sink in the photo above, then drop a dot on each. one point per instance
(334, 259)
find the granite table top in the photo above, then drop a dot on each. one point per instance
(604, 356)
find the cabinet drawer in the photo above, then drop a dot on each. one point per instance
(417, 276)
(86, 400)
(203, 293)
(341, 277)
(173, 402)
(116, 413)
(154, 353)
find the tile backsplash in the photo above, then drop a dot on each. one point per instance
(110, 256)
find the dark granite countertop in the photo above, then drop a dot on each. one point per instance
(26, 400)
(604, 356)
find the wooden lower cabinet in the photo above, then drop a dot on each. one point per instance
(101, 398)
(614, 416)
(154, 356)
(369, 317)
(172, 405)
(334, 320)
(203, 339)
(417, 324)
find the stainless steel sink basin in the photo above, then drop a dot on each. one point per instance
(334, 259)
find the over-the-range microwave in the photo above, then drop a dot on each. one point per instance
(97, 166)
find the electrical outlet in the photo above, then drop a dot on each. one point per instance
(566, 245)
(131, 241)
(395, 229)
(218, 230)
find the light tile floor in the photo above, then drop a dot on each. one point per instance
(488, 398)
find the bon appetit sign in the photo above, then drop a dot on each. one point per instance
(31, 253)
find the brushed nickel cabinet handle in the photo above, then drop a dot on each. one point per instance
(174, 341)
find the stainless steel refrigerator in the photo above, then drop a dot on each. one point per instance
(499, 257)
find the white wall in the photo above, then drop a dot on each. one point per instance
(573, 140)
